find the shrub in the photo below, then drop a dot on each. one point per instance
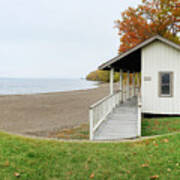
(102, 76)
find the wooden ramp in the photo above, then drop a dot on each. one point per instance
(121, 123)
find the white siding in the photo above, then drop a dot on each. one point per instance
(158, 57)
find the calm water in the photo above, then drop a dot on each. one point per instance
(32, 86)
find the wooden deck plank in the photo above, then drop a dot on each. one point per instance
(121, 123)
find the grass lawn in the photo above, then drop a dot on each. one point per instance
(29, 159)
(156, 126)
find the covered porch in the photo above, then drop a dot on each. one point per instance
(118, 116)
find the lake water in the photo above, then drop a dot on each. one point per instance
(33, 86)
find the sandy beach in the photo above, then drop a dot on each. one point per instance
(42, 114)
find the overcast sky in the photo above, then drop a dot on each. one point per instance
(57, 38)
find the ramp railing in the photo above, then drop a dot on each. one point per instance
(99, 110)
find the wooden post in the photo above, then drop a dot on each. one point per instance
(134, 84)
(121, 85)
(121, 80)
(125, 90)
(128, 85)
(91, 123)
(111, 81)
(139, 115)
(138, 83)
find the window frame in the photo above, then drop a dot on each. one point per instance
(171, 84)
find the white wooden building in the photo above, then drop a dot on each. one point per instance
(157, 61)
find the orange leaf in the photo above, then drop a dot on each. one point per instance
(16, 174)
(154, 177)
(166, 140)
(6, 164)
(145, 165)
(92, 176)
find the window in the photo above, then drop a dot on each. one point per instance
(166, 85)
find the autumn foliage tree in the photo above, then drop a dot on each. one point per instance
(150, 18)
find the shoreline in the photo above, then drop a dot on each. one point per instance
(22, 87)
(50, 92)
(46, 113)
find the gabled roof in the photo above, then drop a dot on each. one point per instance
(138, 47)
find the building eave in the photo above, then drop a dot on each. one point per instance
(108, 64)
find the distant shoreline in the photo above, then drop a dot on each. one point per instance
(9, 86)
(50, 92)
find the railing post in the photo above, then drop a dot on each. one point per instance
(125, 89)
(139, 115)
(91, 123)
(128, 85)
(138, 83)
(134, 84)
(111, 81)
(121, 86)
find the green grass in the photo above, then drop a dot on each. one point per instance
(157, 126)
(53, 160)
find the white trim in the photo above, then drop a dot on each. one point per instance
(161, 113)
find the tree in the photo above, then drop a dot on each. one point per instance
(150, 18)
(102, 76)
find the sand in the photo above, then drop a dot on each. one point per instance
(42, 114)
